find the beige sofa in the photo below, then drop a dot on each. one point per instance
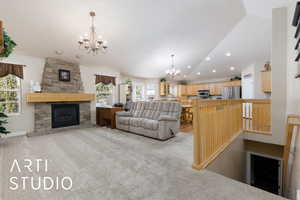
(160, 120)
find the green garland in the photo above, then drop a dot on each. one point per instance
(3, 121)
(9, 46)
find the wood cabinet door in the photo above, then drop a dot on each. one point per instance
(236, 83)
(182, 90)
(196, 88)
(189, 90)
(162, 89)
(200, 86)
(266, 81)
(211, 88)
(217, 88)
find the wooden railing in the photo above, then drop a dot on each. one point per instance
(217, 123)
(257, 116)
(293, 121)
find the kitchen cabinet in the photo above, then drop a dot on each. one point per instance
(214, 88)
(266, 81)
(195, 89)
(189, 90)
(182, 90)
(164, 88)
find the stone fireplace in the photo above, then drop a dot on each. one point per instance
(56, 110)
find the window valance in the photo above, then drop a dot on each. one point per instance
(105, 79)
(14, 69)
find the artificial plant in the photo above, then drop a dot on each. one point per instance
(128, 81)
(163, 80)
(9, 46)
(3, 120)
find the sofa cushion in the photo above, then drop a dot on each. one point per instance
(137, 109)
(136, 122)
(166, 118)
(151, 110)
(124, 114)
(172, 109)
(150, 124)
(124, 120)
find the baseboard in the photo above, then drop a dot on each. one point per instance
(15, 134)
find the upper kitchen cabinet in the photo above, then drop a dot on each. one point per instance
(266, 81)
(182, 90)
(164, 88)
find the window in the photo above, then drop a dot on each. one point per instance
(10, 94)
(104, 93)
(139, 92)
(150, 91)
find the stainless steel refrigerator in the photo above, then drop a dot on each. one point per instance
(233, 92)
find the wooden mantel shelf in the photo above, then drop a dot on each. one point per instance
(59, 97)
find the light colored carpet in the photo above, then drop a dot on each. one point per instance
(111, 164)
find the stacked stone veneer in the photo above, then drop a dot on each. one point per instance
(51, 84)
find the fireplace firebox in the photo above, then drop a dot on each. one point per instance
(64, 115)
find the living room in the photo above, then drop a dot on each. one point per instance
(143, 100)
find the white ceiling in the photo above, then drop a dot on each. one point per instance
(249, 41)
(142, 34)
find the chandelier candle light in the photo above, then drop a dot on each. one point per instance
(91, 42)
(172, 72)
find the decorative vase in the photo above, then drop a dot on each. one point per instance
(37, 87)
(267, 66)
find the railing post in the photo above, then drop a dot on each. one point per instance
(197, 135)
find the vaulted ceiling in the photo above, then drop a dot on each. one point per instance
(142, 34)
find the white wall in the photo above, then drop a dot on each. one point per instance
(252, 85)
(293, 94)
(279, 79)
(141, 81)
(248, 82)
(33, 71)
(231, 162)
(88, 80)
(293, 85)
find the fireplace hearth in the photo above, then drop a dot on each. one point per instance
(64, 115)
(54, 109)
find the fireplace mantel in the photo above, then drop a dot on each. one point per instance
(59, 97)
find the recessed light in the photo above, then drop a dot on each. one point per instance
(198, 73)
(228, 54)
(207, 58)
(184, 76)
(189, 66)
(232, 68)
(214, 71)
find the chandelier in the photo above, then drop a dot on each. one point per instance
(172, 72)
(91, 42)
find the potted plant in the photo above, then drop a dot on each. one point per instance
(3, 131)
(128, 82)
(163, 80)
(9, 46)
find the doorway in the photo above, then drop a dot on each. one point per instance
(264, 172)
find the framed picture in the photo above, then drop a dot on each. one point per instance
(64, 75)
